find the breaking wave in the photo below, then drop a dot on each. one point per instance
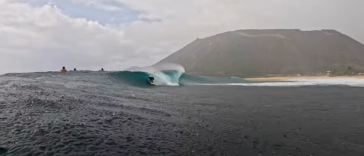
(169, 75)
(174, 75)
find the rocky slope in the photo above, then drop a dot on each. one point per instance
(251, 53)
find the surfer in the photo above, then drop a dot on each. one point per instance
(151, 79)
(102, 69)
(74, 69)
(63, 70)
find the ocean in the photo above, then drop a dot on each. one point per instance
(119, 113)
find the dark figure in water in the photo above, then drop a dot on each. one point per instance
(102, 69)
(74, 69)
(151, 79)
(63, 70)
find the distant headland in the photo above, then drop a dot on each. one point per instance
(272, 53)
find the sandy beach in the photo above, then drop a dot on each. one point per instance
(301, 77)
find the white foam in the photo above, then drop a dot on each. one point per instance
(160, 78)
(306, 82)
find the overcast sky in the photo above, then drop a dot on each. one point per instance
(43, 35)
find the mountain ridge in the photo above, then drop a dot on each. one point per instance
(264, 52)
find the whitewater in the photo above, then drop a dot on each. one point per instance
(354, 82)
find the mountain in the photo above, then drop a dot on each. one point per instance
(253, 53)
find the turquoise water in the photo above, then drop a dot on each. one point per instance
(171, 78)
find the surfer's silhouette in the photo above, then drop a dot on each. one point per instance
(151, 79)
(63, 70)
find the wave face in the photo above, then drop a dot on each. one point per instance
(169, 75)
(141, 79)
(135, 78)
(164, 75)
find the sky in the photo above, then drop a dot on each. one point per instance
(45, 35)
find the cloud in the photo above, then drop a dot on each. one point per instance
(207, 17)
(48, 36)
(104, 12)
(44, 38)
(108, 7)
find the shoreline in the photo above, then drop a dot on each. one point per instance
(281, 78)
